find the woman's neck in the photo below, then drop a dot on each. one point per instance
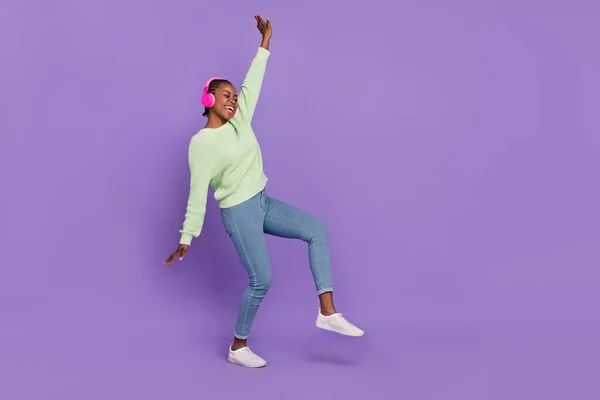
(215, 122)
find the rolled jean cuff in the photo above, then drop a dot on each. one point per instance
(242, 337)
(324, 290)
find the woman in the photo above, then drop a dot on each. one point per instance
(226, 155)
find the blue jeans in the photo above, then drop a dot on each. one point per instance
(246, 224)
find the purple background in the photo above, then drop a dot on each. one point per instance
(451, 147)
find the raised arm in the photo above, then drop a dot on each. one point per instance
(250, 89)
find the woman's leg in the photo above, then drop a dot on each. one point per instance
(244, 224)
(284, 220)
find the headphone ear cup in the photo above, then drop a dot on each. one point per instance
(208, 100)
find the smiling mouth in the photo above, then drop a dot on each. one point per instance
(230, 109)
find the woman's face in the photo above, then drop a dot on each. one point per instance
(225, 101)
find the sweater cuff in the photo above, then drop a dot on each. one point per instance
(262, 52)
(186, 239)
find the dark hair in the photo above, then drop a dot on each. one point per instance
(213, 85)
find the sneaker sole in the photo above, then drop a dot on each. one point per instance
(327, 328)
(234, 362)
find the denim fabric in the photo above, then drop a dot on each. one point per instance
(246, 224)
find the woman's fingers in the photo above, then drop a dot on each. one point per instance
(172, 257)
(260, 21)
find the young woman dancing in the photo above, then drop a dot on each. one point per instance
(225, 154)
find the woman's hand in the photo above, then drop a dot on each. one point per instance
(180, 252)
(264, 28)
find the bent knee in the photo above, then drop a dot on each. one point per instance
(261, 282)
(319, 231)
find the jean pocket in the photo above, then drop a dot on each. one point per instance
(263, 199)
(226, 219)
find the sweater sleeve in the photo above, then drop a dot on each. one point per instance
(203, 159)
(250, 89)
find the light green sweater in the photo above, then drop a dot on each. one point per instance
(227, 158)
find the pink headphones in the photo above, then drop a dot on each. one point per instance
(208, 99)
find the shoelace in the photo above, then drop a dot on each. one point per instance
(250, 353)
(340, 316)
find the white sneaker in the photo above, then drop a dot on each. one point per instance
(245, 357)
(337, 323)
